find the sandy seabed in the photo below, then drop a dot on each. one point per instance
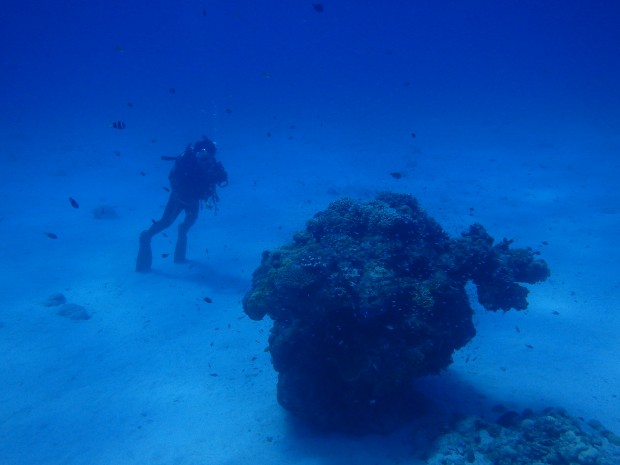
(158, 375)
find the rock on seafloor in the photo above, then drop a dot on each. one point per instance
(369, 297)
(73, 312)
(549, 437)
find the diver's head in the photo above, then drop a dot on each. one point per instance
(205, 147)
(204, 151)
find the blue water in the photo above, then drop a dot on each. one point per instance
(506, 113)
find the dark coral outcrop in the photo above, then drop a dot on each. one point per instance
(372, 295)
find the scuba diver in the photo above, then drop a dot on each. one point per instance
(194, 177)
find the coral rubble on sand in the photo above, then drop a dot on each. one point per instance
(68, 310)
(372, 295)
(551, 437)
(73, 312)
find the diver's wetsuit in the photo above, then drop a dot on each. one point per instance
(191, 181)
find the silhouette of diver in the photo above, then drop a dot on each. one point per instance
(194, 177)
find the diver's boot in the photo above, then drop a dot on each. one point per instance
(181, 247)
(145, 255)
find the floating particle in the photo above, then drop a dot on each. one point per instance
(104, 212)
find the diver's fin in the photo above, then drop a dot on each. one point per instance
(181, 248)
(145, 255)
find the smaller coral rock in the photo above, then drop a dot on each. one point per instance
(73, 312)
(550, 437)
(54, 300)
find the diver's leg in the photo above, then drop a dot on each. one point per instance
(171, 212)
(191, 215)
(145, 254)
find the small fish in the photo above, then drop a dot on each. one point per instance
(172, 90)
(74, 203)
(555, 312)
(318, 7)
(413, 135)
(529, 346)
(118, 124)
(142, 173)
(51, 235)
(165, 188)
(164, 255)
(396, 174)
(208, 300)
